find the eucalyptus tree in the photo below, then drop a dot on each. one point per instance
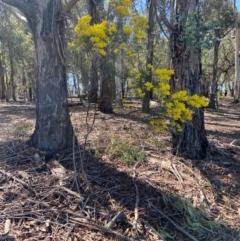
(17, 53)
(94, 12)
(218, 15)
(183, 24)
(150, 50)
(53, 128)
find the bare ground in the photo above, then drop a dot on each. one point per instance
(65, 196)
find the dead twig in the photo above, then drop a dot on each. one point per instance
(72, 192)
(177, 174)
(100, 228)
(137, 199)
(117, 217)
(151, 228)
(17, 180)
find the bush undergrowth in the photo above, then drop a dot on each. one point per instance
(126, 151)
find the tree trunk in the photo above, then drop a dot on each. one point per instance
(149, 62)
(119, 81)
(2, 81)
(237, 71)
(95, 14)
(93, 90)
(213, 95)
(12, 77)
(106, 89)
(53, 128)
(24, 82)
(192, 141)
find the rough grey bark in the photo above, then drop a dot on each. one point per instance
(107, 89)
(213, 96)
(93, 89)
(2, 81)
(53, 128)
(119, 81)
(94, 12)
(192, 141)
(149, 61)
(13, 87)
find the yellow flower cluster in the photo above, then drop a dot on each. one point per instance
(197, 101)
(139, 25)
(127, 30)
(98, 34)
(140, 92)
(130, 53)
(164, 88)
(122, 6)
(163, 74)
(159, 123)
(148, 86)
(180, 106)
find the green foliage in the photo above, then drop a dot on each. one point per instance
(179, 106)
(125, 151)
(94, 149)
(195, 221)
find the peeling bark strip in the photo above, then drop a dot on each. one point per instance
(53, 128)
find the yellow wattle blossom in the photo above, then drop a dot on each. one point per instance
(116, 51)
(122, 6)
(149, 66)
(180, 95)
(123, 10)
(164, 88)
(97, 34)
(158, 124)
(164, 74)
(112, 29)
(140, 92)
(197, 101)
(138, 76)
(139, 25)
(148, 86)
(127, 30)
(126, 2)
(130, 54)
(131, 72)
(122, 46)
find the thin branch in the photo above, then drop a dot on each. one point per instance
(15, 14)
(21, 5)
(162, 16)
(69, 6)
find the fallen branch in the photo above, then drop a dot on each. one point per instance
(72, 192)
(235, 142)
(151, 228)
(100, 228)
(137, 198)
(120, 215)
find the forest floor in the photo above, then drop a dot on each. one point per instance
(126, 185)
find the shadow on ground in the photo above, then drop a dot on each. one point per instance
(108, 189)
